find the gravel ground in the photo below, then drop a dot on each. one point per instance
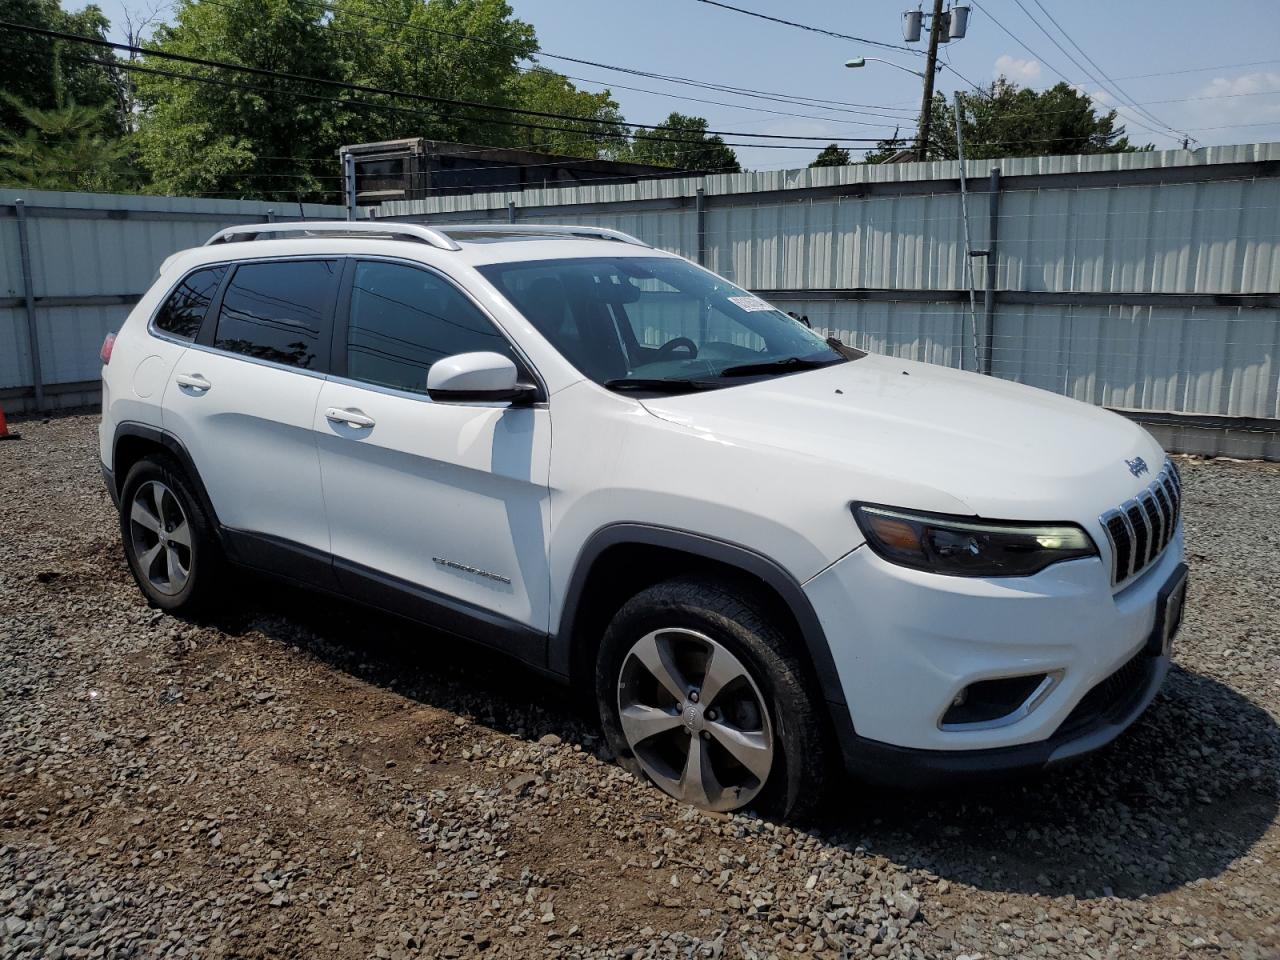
(298, 778)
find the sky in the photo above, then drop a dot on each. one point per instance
(1208, 71)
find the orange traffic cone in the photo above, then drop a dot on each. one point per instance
(4, 428)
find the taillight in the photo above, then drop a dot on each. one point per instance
(107, 345)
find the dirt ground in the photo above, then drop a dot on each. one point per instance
(300, 778)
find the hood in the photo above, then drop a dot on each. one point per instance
(944, 439)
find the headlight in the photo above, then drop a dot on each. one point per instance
(965, 547)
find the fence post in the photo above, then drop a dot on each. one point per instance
(968, 247)
(349, 182)
(989, 294)
(29, 300)
(701, 207)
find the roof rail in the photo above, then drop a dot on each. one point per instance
(334, 228)
(539, 229)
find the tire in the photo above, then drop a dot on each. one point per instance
(172, 551)
(772, 755)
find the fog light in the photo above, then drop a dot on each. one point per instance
(997, 702)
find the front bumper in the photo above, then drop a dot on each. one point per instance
(906, 642)
(886, 764)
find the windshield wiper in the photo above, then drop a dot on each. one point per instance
(658, 385)
(784, 365)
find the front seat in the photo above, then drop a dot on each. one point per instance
(582, 331)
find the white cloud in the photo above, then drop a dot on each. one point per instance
(1016, 69)
(1263, 81)
(1240, 109)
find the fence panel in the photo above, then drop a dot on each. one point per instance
(1147, 282)
(92, 256)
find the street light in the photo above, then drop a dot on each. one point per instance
(926, 104)
(862, 62)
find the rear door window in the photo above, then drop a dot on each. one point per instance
(280, 311)
(184, 311)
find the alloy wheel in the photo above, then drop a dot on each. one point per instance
(161, 537)
(694, 719)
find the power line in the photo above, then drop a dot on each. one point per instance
(1119, 93)
(1025, 46)
(743, 106)
(805, 26)
(793, 99)
(125, 65)
(424, 98)
(620, 86)
(138, 68)
(1221, 66)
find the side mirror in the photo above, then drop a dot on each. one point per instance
(477, 377)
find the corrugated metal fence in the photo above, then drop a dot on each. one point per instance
(73, 264)
(1147, 282)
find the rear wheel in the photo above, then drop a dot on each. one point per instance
(700, 692)
(167, 538)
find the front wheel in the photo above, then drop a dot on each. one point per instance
(702, 693)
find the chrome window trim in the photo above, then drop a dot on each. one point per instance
(426, 398)
(272, 364)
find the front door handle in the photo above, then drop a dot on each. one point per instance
(192, 380)
(352, 418)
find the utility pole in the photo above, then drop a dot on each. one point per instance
(931, 67)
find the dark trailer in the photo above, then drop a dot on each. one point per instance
(416, 168)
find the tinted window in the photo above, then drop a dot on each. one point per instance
(278, 311)
(184, 311)
(403, 320)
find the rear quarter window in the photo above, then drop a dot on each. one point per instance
(182, 313)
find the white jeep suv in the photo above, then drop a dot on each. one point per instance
(760, 551)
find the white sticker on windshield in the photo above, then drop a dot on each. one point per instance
(750, 304)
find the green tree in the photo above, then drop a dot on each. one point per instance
(668, 146)
(254, 137)
(456, 49)
(44, 73)
(550, 92)
(832, 156)
(65, 148)
(1005, 120)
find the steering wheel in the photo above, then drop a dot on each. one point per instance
(665, 351)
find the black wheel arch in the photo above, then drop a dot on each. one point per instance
(668, 552)
(133, 441)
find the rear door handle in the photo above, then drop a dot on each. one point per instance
(352, 418)
(192, 380)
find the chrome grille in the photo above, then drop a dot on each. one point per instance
(1140, 529)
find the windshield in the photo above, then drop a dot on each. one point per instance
(657, 323)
